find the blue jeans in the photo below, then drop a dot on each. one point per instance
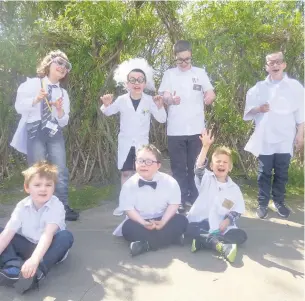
(21, 249)
(279, 163)
(52, 149)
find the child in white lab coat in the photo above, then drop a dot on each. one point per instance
(212, 218)
(135, 108)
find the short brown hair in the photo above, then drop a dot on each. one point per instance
(44, 67)
(181, 46)
(43, 169)
(151, 148)
(223, 150)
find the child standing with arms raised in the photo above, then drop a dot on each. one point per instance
(135, 108)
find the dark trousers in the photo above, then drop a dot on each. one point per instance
(21, 249)
(169, 234)
(52, 149)
(201, 229)
(279, 163)
(183, 152)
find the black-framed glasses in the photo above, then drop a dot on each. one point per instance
(147, 162)
(275, 62)
(61, 62)
(140, 80)
(187, 60)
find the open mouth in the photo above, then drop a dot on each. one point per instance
(221, 170)
(275, 70)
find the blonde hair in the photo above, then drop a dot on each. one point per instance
(44, 67)
(279, 52)
(43, 169)
(223, 150)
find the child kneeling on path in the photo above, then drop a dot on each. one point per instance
(150, 200)
(34, 239)
(212, 218)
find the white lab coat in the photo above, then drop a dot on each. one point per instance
(134, 125)
(209, 203)
(26, 93)
(275, 130)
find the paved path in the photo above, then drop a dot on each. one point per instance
(269, 266)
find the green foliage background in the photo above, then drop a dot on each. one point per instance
(230, 39)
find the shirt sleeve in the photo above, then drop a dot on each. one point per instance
(26, 93)
(200, 171)
(165, 83)
(299, 113)
(112, 109)
(206, 84)
(174, 193)
(126, 199)
(56, 215)
(159, 114)
(15, 222)
(251, 103)
(63, 121)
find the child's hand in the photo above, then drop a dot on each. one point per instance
(159, 224)
(57, 104)
(299, 142)
(206, 138)
(106, 99)
(41, 95)
(29, 268)
(264, 108)
(158, 100)
(176, 99)
(224, 225)
(208, 97)
(150, 225)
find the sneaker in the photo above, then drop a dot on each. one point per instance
(138, 247)
(262, 212)
(71, 215)
(228, 251)
(195, 245)
(118, 212)
(25, 284)
(8, 276)
(282, 210)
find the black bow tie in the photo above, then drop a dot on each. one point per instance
(152, 184)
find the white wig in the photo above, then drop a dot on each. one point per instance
(122, 71)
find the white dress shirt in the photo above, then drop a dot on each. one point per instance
(211, 201)
(275, 130)
(26, 94)
(187, 118)
(148, 202)
(29, 222)
(134, 125)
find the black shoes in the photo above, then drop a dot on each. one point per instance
(262, 212)
(138, 247)
(71, 215)
(282, 210)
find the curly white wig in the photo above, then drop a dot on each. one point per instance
(122, 71)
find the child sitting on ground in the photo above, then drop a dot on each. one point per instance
(150, 200)
(212, 218)
(34, 239)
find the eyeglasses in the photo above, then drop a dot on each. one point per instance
(147, 162)
(275, 62)
(139, 80)
(187, 60)
(59, 61)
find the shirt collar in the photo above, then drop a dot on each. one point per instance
(29, 202)
(269, 81)
(46, 81)
(156, 177)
